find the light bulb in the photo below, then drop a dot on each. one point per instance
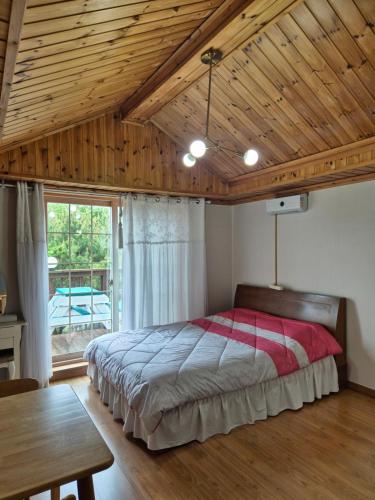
(198, 148)
(250, 157)
(189, 160)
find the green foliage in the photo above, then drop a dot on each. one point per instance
(79, 235)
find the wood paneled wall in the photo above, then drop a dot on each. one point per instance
(109, 154)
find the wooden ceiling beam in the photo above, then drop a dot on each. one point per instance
(231, 25)
(17, 15)
(285, 176)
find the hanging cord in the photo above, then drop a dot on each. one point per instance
(275, 285)
(276, 243)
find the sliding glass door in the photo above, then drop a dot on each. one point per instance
(80, 261)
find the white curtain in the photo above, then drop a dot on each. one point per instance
(32, 265)
(164, 260)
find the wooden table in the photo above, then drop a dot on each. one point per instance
(47, 439)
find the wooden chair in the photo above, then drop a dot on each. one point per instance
(18, 386)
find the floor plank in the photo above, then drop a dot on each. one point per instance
(326, 450)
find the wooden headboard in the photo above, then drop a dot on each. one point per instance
(327, 310)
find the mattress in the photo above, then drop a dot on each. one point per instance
(160, 369)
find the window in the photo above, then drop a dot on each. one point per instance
(80, 305)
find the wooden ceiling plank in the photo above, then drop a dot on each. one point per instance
(16, 103)
(119, 27)
(170, 80)
(288, 88)
(223, 132)
(310, 77)
(232, 128)
(258, 68)
(108, 57)
(245, 112)
(55, 119)
(80, 100)
(3, 29)
(223, 163)
(359, 19)
(219, 167)
(127, 68)
(67, 90)
(31, 87)
(61, 105)
(154, 10)
(350, 109)
(290, 78)
(157, 37)
(78, 104)
(337, 62)
(14, 35)
(96, 62)
(274, 104)
(84, 93)
(106, 9)
(342, 38)
(153, 52)
(135, 34)
(259, 101)
(5, 7)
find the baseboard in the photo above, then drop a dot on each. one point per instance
(69, 371)
(362, 389)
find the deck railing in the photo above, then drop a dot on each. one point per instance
(79, 277)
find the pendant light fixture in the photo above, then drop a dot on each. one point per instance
(199, 147)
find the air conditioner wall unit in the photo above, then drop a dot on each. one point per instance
(287, 204)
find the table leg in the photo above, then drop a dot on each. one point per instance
(86, 488)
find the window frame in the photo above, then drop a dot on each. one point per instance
(92, 200)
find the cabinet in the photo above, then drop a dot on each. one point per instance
(10, 338)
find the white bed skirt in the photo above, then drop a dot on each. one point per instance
(222, 413)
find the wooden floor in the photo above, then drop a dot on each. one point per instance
(326, 450)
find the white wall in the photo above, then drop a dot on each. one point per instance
(219, 257)
(329, 249)
(8, 262)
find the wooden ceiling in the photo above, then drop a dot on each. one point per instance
(303, 86)
(77, 58)
(296, 81)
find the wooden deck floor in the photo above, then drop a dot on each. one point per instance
(326, 451)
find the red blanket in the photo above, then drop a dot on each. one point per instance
(291, 344)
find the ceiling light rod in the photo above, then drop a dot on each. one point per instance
(217, 146)
(212, 56)
(199, 147)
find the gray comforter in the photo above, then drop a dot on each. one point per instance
(160, 368)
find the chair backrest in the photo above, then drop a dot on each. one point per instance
(17, 386)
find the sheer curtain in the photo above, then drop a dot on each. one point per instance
(164, 260)
(32, 266)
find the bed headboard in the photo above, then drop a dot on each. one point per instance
(324, 309)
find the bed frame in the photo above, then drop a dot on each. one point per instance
(324, 309)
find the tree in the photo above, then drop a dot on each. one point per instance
(79, 236)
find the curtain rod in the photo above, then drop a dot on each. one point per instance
(85, 192)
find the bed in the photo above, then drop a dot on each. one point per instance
(172, 384)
